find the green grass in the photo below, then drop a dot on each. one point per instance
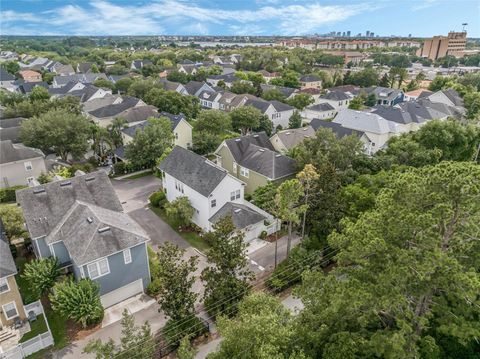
(37, 327)
(58, 327)
(138, 175)
(25, 289)
(191, 237)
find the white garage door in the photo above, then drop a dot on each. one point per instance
(121, 294)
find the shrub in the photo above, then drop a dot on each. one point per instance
(79, 301)
(174, 331)
(157, 199)
(119, 168)
(153, 288)
(13, 249)
(41, 275)
(263, 235)
(8, 194)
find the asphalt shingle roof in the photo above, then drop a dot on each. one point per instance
(335, 96)
(366, 122)
(336, 128)
(193, 170)
(115, 109)
(45, 206)
(293, 137)
(5, 76)
(242, 215)
(7, 264)
(321, 107)
(10, 152)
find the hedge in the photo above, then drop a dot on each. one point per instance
(8, 194)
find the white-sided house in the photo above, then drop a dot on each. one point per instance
(182, 130)
(19, 165)
(337, 99)
(212, 192)
(80, 221)
(278, 112)
(322, 110)
(210, 100)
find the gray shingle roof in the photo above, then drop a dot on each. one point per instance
(366, 122)
(258, 104)
(11, 122)
(83, 78)
(293, 137)
(44, 206)
(394, 114)
(384, 93)
(335, 96)
(309, 78)
(115, 109)
(242, 216)
(192, 87)
(90, 232)
(193, 170)
(10, 134)
(7, 264)
(5, 76)
(256, 153)
(140, 113)
(286, 91)
(453, 96)
(11, 153)
(280, 106)
(336, 128)
(325, 106)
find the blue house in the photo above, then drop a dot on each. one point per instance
(81, 222)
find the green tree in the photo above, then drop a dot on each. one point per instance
(384, 81)
(213, 121)
(226, 278)
(175, 278)
(405, 267)
(263, 329)
(104, 84)
(64, 133)
(240, 87)
(301, 100)
(185, 350)
(265, 124)
(11, 67)
(180, 210)
(307, 178)
(412, 85)
(273, 94)
(173, 102)
(150, 142)
(39, 94)
(371, 100)
(140, 88)
(295, 120)
(264, 196)
(290, 79)
(288, 207)
(134, 341)
(114, 130)
(177, 76)
(123, 85)
(79, 301)
(13, 222)
(356, 103)
(245, 118)
(41, 275)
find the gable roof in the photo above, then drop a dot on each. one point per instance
(310, 78)
(256, 153)
(280, 106)
(336, 128)
(83, 78)
(395, 114)
(258, 104)
(84, 67)
(90, 232)
(27, 87)
(193, 170)
(140, 113)
(45, 206)
(28, 73)
(366, 122)
(12, 153)
(174, 119)
(7, 264)
(336, 96)
(384, 93)
(193, 87)
(242, 215)
(116, 108)
(5, 76)
(293, 137)
(321, 107)
(453, 96)
(286, 91)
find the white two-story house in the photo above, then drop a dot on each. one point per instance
(212, 192)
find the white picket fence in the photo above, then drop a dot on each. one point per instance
(35, 344)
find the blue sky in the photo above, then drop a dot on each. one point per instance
(237, 17)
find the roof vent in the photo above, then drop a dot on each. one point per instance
(305, 128)
(277, 155)
(90, 178)
(89, 219)
(261, 149)
(104, 229)
(288, 133)
(255, 136)
(67, 183)
(237, 210)
(237, 140)
(38, 190)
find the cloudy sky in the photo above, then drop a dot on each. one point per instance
(237, 17)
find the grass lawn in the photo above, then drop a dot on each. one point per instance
(37, 327)
(191, 237)
(138, 175)
(23, 286)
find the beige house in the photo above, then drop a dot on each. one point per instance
(182, 130)
(19, 165)
(11, 304)
(310, 81)
(253, 160)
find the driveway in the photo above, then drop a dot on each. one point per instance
(134, 193)
(263, 259)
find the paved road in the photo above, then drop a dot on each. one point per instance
(263, 259)
(134, 193)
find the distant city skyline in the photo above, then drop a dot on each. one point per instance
(249, 17)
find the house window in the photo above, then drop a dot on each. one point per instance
(235, 167)
(30, 180)
(232, 196)
(127, 256)
(10, 310)
(98, 269)
(244, 172)
(4, 285)
(237, 194)
(28, 166)
(213, 203)
(179, 186)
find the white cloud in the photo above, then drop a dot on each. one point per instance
(104, 17)
(425, 4)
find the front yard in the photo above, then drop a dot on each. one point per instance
(191, 237)
(37, 327)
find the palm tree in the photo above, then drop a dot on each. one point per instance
(115, 132)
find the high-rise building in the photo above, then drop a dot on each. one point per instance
(441, 46)
(372, 34)
(348, 33)
(367, 34)
(343, 34)
(339, 33)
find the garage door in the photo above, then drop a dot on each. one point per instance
(121, 294)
